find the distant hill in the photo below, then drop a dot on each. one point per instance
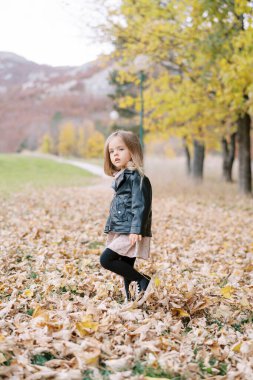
(33, 96)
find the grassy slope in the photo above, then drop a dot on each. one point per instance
(18, 173)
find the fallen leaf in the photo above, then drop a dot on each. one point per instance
(236, 347)
(28, 293)
(180, 312)
(120, 364)
(227, 291)
(86, 325)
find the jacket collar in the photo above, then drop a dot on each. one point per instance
(121, 178)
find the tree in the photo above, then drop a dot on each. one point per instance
(201, 52)
(54, 130)
(228, 151)
(67, 140)
(124, 98)
(47, 144)
(81, 144)
(231, 45)
(95, 145)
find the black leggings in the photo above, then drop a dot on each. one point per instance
(121, 265)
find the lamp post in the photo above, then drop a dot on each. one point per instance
(142, 76)
(114, 115)
(141, 64)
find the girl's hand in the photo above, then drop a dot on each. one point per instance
(134, 238)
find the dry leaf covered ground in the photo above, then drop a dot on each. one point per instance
(64, 317)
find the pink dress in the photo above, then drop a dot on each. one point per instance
(120, 243)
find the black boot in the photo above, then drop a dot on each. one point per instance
(127, 284)
(142, 285)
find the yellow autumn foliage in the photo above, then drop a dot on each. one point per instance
(200, 72)
(46, 144)
(67, 140)
(95, 145)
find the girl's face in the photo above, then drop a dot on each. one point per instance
(119, 153)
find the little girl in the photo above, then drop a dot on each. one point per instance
(129, 223)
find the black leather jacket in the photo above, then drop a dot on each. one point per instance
(131, 206)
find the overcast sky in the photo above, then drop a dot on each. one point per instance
(54, 32)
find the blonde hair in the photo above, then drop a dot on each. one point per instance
(132, 143)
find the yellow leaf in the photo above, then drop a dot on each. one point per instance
(92, 359)
(2, 338)
(157, 281)
(28, 293)
(237, 347)
(227, 291)
(85, 325)
(42, 313)
(180, 312)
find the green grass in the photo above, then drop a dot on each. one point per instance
(42, 358)
(138, 369)
(18, 173)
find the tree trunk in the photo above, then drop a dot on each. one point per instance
(198, 160)
(228, 153)
(188, 156)
(244, 123)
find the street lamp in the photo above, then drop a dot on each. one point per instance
(142, 76)
(141, 63)
(114, 115)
